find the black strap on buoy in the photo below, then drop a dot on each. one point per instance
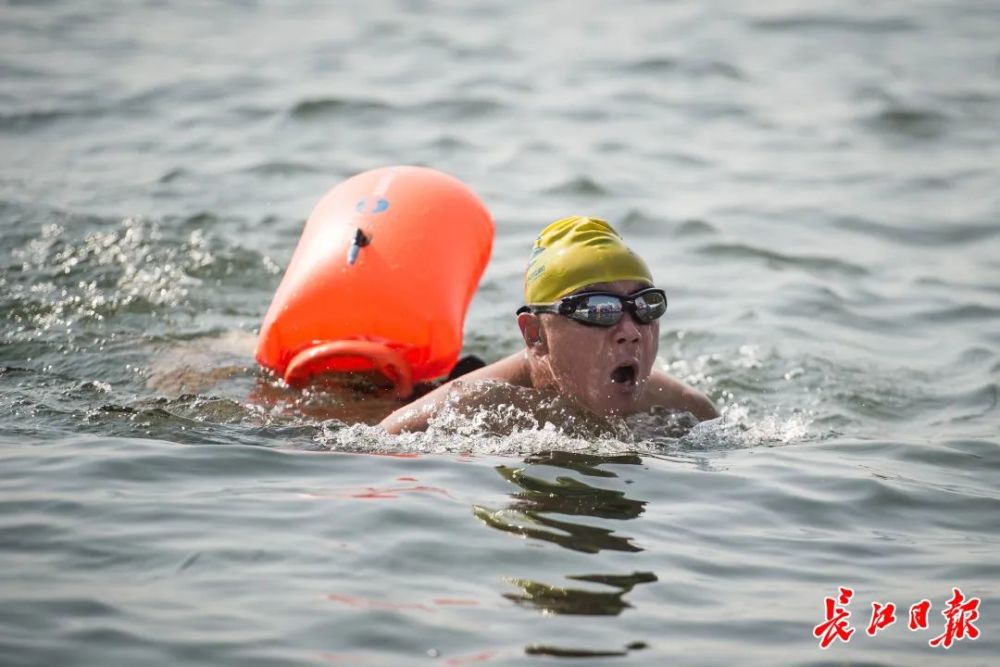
(360, 241)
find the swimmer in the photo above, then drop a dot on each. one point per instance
(591, 331)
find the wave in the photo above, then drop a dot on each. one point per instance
(966, 312)
(581, 185)
(936, 236)
(636, 220)
(445, 109)
(696, 228)
(909, 122)
(820, 22)
(449, 143)
(36, 119)
(698, 68)
(322, 107)
(812, 263)
(280, 168)
(460, 109)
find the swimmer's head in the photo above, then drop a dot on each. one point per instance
(574, 252)
(605, 368)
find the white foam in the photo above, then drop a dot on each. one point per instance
(737, 427)
(484, 433)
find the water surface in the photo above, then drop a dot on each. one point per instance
(815, 184)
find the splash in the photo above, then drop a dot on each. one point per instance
(492, 418)
(521, 422)
(67, 282)
(738, 428)
(747, 421)
(532, 424)
(363, 438)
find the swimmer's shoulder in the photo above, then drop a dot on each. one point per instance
(511, 370)
(663, 390)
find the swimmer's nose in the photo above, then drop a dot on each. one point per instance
(627, 331)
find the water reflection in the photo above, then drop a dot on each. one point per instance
(572, 536)
(558, 652)
(560, 600)
(585, 464)
(526, 516)
(569, 496)
(529, 514)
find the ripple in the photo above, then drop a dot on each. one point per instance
(13, 70)
(450, 143)
(937, 236)
(191, 90)
(742, 520)
(979, 402)
(461, 109)
(971, 312)
(909, 122)
(698, 68)
(175, 174)
(581, 185)
(778, 260)
(28, 121)
(817, 22)
(653, 64)
(323, 107)
(638, 221)
(611, 146)
(682, 159)
(280, 168)
(696, 228)
(973, 357)
(821, 303)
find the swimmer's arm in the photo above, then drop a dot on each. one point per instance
(414, 417)
(671, 393)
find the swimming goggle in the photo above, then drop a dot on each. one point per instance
(605, 309)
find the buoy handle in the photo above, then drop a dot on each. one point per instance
(386, 360)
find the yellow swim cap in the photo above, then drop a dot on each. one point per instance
(575, 252)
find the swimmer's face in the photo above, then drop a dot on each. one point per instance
(604, 368)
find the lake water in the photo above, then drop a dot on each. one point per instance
(816, 185)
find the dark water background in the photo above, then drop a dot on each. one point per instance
(817, 185)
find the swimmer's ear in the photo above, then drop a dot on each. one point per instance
(532, 332)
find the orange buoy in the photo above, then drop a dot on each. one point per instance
(381, 279)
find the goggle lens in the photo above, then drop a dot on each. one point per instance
(603, 309)
(598, 309)
(650, 306)
(606, 310)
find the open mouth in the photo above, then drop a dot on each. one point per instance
(625, 374)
